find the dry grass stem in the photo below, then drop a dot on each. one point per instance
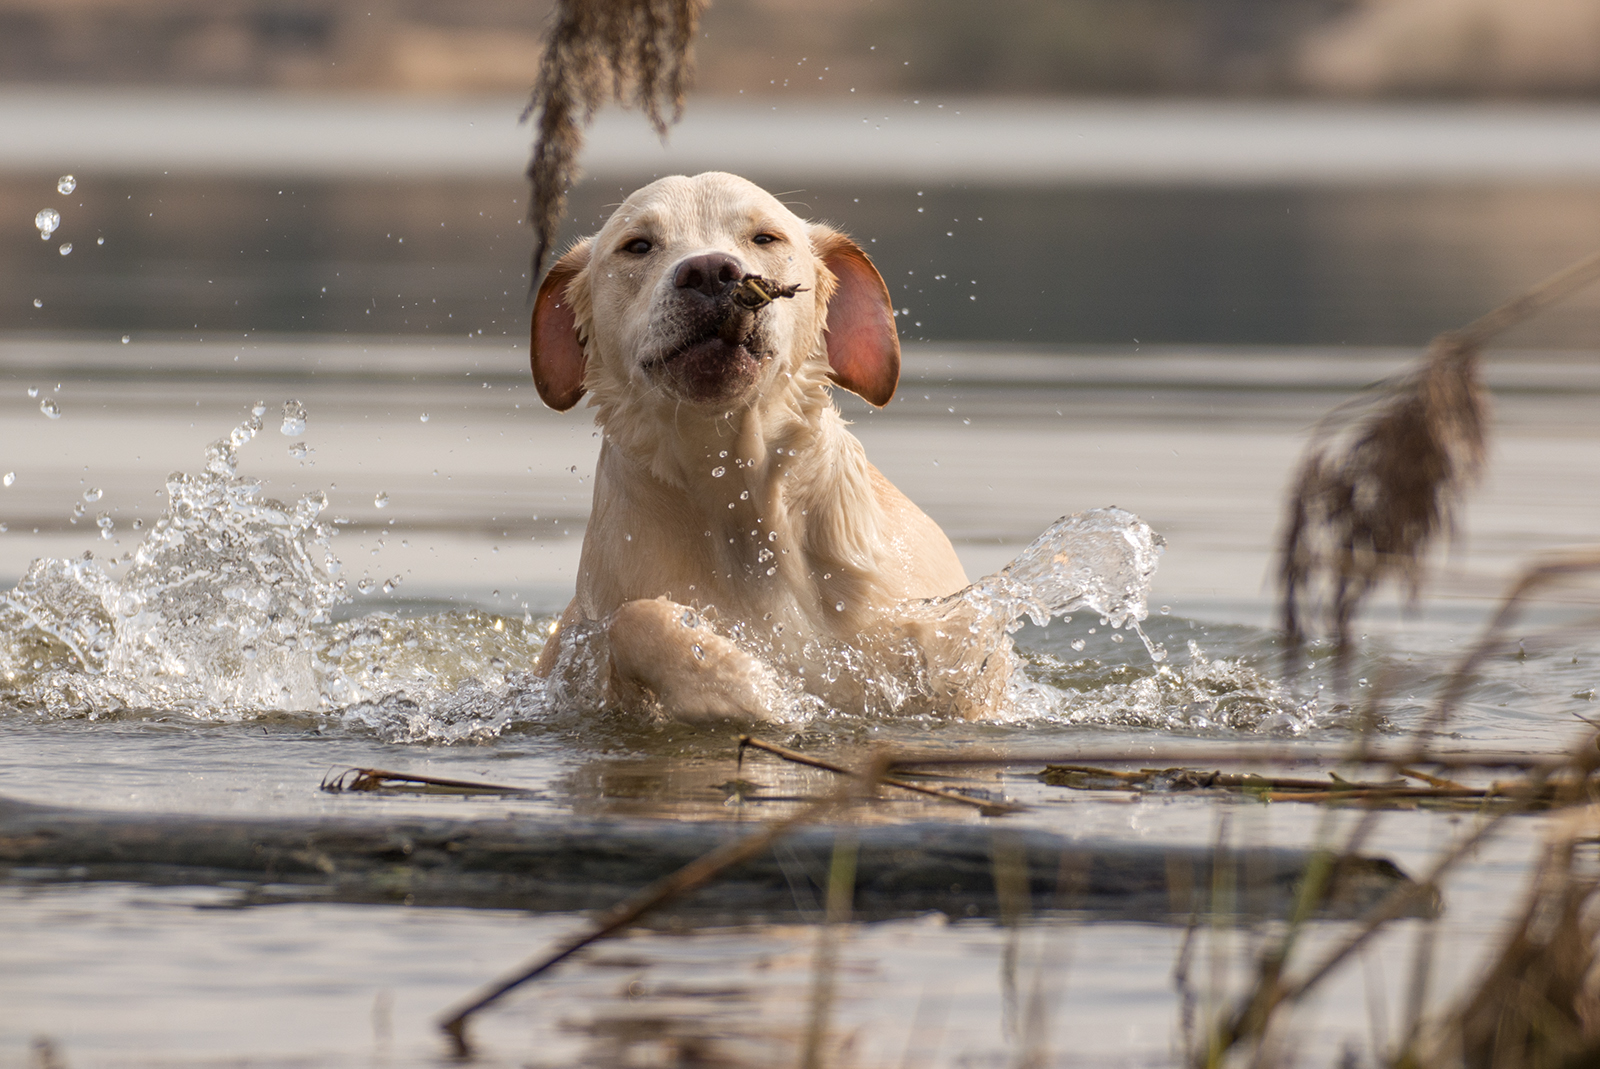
(636, 52)
(1534, 579)
(1383, 478)
(692, 876)
(987, 806)
(1534, 1007)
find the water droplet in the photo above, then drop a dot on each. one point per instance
(50, 408)
(126, 339)
(838, 606)
(1116, 638)
(138, 525)
(66, 248)
(10, 477)
(424, 417)
(47, 221)
(66, 184)
(1166, 610)
(93, 493)
(294, 419)
(258, 409)
(744, 495)
(381, 501)
(33, 391)
(723, 454)
(718, 472)
(99, 241)
(366, 585)
(298, 450)
(772, 570)
(1078, 644)
(699, 653)
(38, 303)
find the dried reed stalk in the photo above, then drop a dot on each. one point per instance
(987, 806)
(636, 52)
(1383, 477)
(1535, 1006)
(691, 877)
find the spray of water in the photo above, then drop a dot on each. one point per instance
(226, 610)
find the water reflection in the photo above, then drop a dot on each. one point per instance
(1380, 265)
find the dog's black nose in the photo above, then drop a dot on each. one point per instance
(712, 273)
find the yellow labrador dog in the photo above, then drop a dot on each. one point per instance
(741, 552)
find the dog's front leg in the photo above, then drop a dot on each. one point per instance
(667, 652)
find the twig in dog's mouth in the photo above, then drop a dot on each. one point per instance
(752, 294)
(755, 292)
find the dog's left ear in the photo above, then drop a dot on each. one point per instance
(863, 349)
(553, 345)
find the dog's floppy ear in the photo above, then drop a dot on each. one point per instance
(863, 349)
(553, 345)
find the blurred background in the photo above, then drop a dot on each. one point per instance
(328, 167)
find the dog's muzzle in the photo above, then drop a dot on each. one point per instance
(717, 305)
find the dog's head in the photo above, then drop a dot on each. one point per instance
(660, 305)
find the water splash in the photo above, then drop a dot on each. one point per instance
(1103, 560)
(294, 419)
(226, 610)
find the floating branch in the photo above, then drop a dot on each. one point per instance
(635, 52)
(1287, 789)
(1385, 476)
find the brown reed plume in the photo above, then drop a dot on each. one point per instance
(1385, 475)
(637, 52)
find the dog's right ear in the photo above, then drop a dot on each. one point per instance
(553, 345)
(863, 349)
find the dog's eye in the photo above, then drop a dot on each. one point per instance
(763, 239)
(638, 246)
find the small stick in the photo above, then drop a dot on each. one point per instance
(1432, 781)
(987, 808)
(695, 874)
(376, 779)
(1533, 301)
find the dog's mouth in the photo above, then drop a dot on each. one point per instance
(724, 350)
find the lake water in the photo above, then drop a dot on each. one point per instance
(484, 507)
(1162, 348)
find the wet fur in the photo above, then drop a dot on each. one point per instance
(673, 583)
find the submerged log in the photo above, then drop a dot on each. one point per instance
(547, 865)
